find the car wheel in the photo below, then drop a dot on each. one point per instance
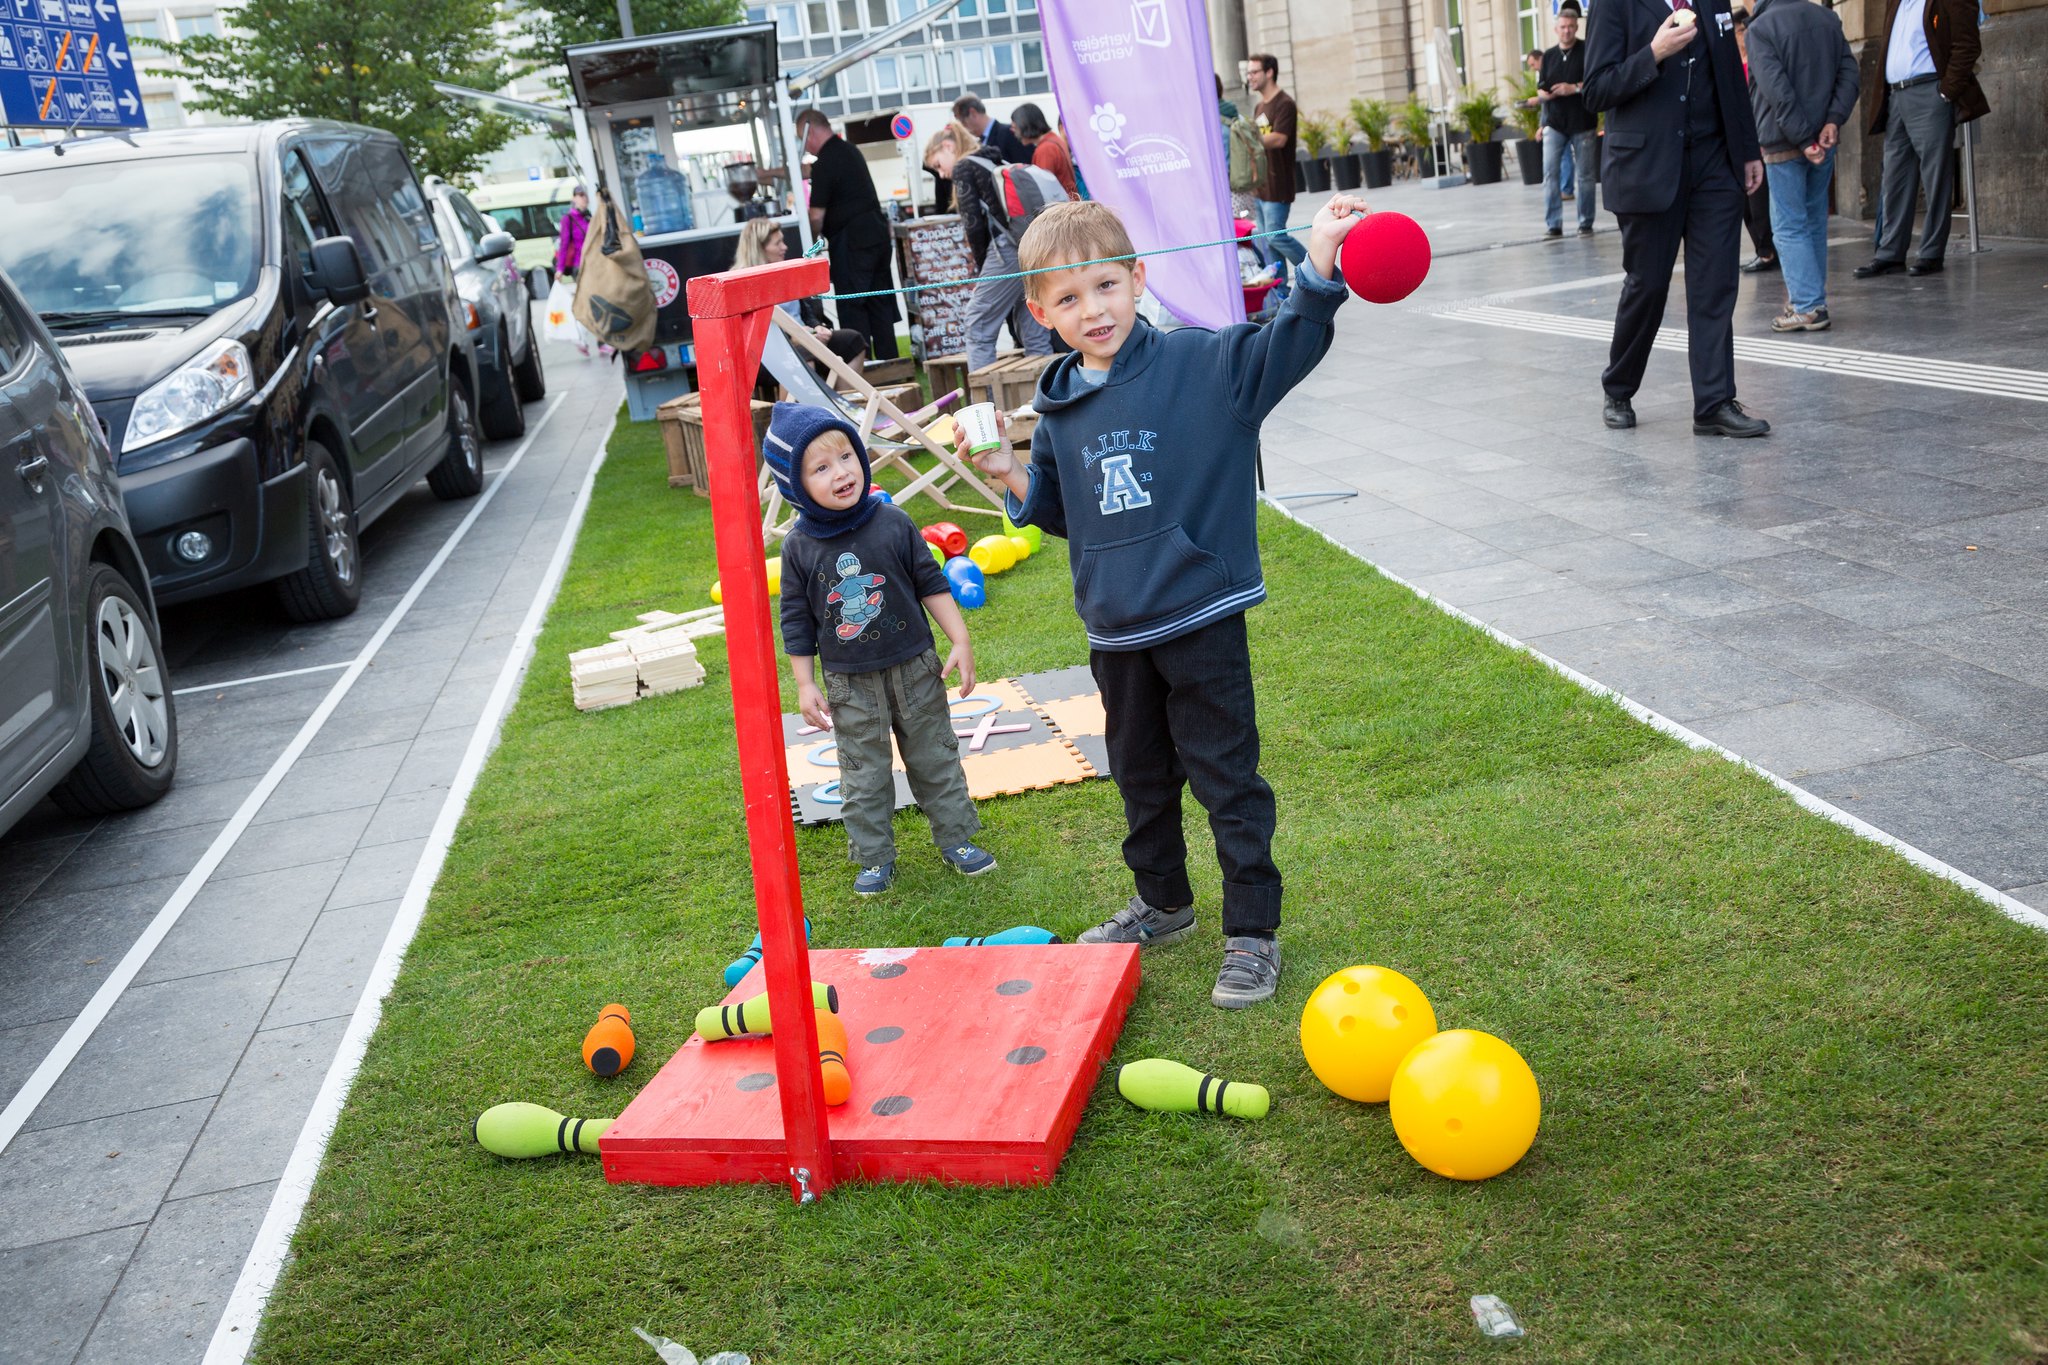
(460, 474)
(526, 375)
(332, 582)
(503, 418)
(539, 281)
(134, 750)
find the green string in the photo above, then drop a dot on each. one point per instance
(1070, 265)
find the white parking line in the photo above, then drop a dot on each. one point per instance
(259, 678)
(235, 1333)
(45, 1077)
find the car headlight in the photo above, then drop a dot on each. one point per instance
(211, 382)
(471, 288)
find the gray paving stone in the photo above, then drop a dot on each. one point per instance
(368, 725)
(1906, 495)
(2035, 895)
(27, 863)
(296, 843)
(254, 1125)
(380, 873)
(431, 763)
(1606, 562)
(163, 1045)
(55, 951)
(404, 817)
(1526, 533)
(1671, 670)
(55, 1290)
(1693, 596)
(108, 861)
(248, 753)
(327, 977)
(185, 805)
(2001, 716)
(1434, 549)
(1701, 540)
(1815, 735)
(240, 921)
(2025, 531)
(2009, 642)
(1795, 636)
(1354, 526)
(1877, 541)
(1546, 613)
(1467, 588)
(1797, 573)
(180, 1279)
(1463, 509)
(1974, 812)
(334, 781)
(22, 1050)
(2011, 580)
(1759, 510)
(57, 1183)
(1893, 603)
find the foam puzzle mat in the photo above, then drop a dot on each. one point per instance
(1017, 734)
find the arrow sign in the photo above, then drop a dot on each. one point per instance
(130, 103)
(84, 42)
(104, 10)
(117, 57)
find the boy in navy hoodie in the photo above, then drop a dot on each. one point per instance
(1144, 459)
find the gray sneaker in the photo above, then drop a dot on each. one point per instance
(1251, 973)
(1142, 924)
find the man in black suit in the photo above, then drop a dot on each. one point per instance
(1679, 159)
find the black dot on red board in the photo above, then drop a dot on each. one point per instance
(1015, 987)
(889, 1033)
(888, 970)
(756, 1080)
(890, 1105)
(1024, 1056)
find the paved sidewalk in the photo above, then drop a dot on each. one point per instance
(129, 1200)
(1857, 603)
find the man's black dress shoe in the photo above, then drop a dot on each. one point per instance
(1762, 265)
(1924, 268)
(1864, 272)
(1729, 420)
(1620, 414)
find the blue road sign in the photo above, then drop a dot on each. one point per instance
(66, 63)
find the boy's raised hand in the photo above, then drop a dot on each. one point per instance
(1333, 223)
(811, 702)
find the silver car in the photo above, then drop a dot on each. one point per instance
(497, 309)
(86, 714)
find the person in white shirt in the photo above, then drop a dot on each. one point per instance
(1926, 85)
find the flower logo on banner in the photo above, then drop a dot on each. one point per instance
(1108, 125)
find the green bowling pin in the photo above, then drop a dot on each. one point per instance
(523, 1130)
(1170, 1088)
(719, 1022)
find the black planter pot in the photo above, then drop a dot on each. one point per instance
(1315, 174)
(1425, 159)
(1379, 168)
(1529, 151)
(1485, 160)
(1347, 171)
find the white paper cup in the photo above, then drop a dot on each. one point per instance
(978, 432)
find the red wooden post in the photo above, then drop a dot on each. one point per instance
(731, 323)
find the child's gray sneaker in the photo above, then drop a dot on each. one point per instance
(1251, 972)
(969, 860)
(1142, 924)
(873, 881)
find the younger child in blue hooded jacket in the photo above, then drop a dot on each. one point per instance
(1145, 459)
(857, 581)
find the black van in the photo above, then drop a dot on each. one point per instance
(264, 322)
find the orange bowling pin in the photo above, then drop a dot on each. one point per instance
(832, 1058)
(608, 1047)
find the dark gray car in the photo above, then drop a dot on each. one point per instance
(496, 308)
(86, 714)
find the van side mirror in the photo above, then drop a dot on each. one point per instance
(495, 246)
(338, 270)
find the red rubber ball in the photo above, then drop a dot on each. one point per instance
(1385, 257)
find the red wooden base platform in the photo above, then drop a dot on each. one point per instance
(969, 1065)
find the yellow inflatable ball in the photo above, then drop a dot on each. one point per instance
(993, 554)
(1358, 1025)
(1465, 1104)
(1022, 546)
(774, 582)
(1030, 533)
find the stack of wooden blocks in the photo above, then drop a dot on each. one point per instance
(658, 655)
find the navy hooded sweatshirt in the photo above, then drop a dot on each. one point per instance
(1152, 474)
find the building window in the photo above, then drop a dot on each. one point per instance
(143, 34)
(1525, 13)
(916, 72)
(1005, 58)
(1454, 25)
(1034, 57)
(820, 14)
(849, 16)
(885, 75)
(163, 110)
(878, 13)
(998, 6)
(856, 79)
(197, 25)
(949, 70)
(974, 65)
(968, 9)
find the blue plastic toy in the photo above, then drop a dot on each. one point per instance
(744, 963)
(964, 577)
(1023, 933)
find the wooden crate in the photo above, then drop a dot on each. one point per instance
(682, 434)
(1009, 382)
(947, 373)
(898, 370)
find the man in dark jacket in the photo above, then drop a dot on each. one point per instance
(1926, 84)
(1679, 157)
(1805, 85)
(999, 141)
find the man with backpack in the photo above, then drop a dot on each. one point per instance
(1243, 154)
(996, 202)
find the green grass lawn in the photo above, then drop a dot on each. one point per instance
(1792, 1087)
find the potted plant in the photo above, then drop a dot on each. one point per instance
(1372, 118)
(1344, 164)
(1414, 120)
(1529, 120)
(1479, 112)
(1315, 136)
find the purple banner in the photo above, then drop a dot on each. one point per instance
(1138, 91)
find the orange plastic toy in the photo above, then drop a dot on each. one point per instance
(608, 1047)
(832, 1058)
